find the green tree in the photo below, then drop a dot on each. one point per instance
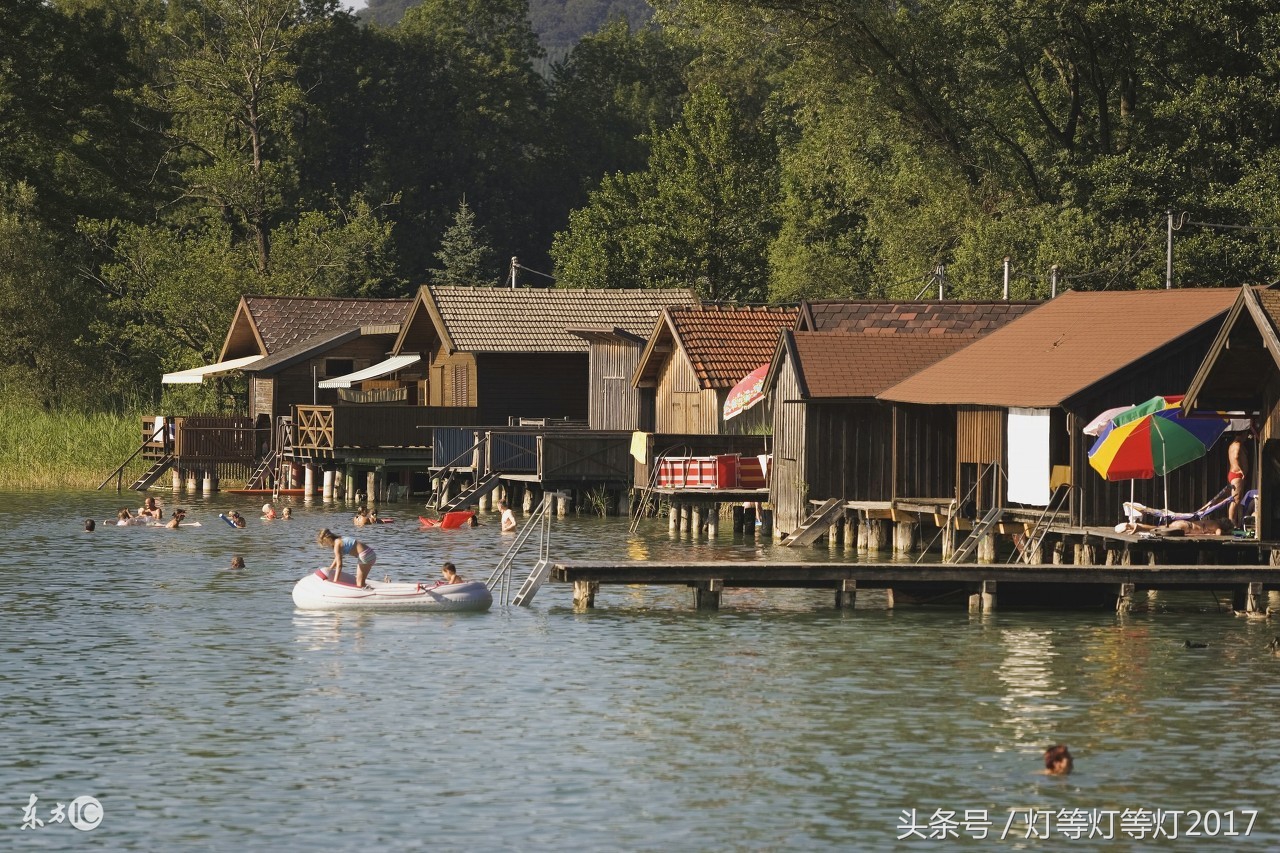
(700, 216)
(465, 255)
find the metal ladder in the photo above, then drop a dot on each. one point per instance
(500, 577)
(979, 530)
(1042, 526)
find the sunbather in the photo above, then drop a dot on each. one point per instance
(1135, 511)
(1180, 527)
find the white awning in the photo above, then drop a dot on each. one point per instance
(196, 375)
(391, 365)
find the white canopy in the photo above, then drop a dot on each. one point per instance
(196, 375)
(382, 368)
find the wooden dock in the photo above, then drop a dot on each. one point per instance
(1246, 584)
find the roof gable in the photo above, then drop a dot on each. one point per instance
(1063, 347)
(492, 319)
(278, 323)
(833, 364)
(723, 343)
(1246, 348)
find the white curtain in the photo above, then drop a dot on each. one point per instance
(1029, 456)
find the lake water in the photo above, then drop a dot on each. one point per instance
(203, 712)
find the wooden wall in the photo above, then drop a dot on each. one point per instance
(614, 403)
(788, 484)
(451, 379)
(849, 450)
(680, 405)
(925, 451)
(531, 385)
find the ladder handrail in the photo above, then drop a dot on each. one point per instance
(119, 472)
(540, 514)
(643, 506)
(1040, 529)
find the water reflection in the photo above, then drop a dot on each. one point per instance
(206, 712)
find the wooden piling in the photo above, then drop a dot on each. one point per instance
(371, 489)
(1124, 598)
(987, 548)
(695, 520)
(673, 518)
(713, 521)
(766, 523)
(584, 594)
(309, 481)
(983, 599)
(706, 594)
(846, 594)
(875, 534)
(738, 515)
(850, 531)
(904, 537)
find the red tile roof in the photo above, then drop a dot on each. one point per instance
(1064, 347)
(286, 321)
(724, 343)
(916, 317)
(832, 364)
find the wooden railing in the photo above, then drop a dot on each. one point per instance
(567, 457)
(197, 440)
(323, 430)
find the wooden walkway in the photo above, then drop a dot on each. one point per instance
(1247, 584)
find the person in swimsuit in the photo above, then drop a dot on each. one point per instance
(451, 575)
(179, 515)
(150, 509)
(287, 514)
(1183, 526)
(124, 518)
(343, 545)
(508, 517)
(1237, 471)
(268, 512)
(1057, 760)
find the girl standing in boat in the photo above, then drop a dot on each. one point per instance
(343, 545)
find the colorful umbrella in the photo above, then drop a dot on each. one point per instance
(1153, 438)
(746, 393)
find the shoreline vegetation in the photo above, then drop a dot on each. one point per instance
(42, 450)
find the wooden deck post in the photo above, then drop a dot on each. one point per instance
(526, 503)
(695, 520)
(371, 489)
(987, 548)
(673, 518)
(846, 594)
(983, 599)
(309, 481)
(1086, 552)
(766, 524)
(584, 594)
(1124, 598)
(177, 483)
(738, 515)
(485, 504)
(948, 538)
(904, 537)
(206, 484)
(192, 483)
(875, 534)
(706, 594)
(850, 531)
(713, 521)
(326, 488)
(562, 504)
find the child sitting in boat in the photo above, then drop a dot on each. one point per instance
(451, 575)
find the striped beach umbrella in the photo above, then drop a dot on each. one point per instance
(1154, 438)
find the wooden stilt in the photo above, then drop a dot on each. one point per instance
(1124, 598)
(987, 548)
(850, 531)
(673, 517)
(326, 489)
(706, 595)
(846, 594)
(584, 594)
(713, 521)
(738, 526)
(371, 489)
(904, 537)
(983, 599)
(695, 520)
(309, 481)
(1254, 602)
(875, 534)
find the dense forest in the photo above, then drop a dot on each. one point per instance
(160, 158)
(559, 24)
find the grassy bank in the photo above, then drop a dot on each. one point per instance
(63, 450)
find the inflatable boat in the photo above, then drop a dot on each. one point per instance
(317, 592)
(451, 521)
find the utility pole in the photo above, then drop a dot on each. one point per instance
(1168, 254)
(515, 265)
(1053, 281)
(1006, 278)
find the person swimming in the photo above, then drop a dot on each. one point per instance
(268, 512)
(1057, 760)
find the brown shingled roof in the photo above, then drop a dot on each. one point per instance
(286, 321)
(832, 364)
(493, 319)
(1063, 347)
(915, 317)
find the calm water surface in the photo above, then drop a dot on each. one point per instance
(205, 713)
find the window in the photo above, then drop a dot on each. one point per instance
(339, 366)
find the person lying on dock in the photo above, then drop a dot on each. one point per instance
(1181, 527)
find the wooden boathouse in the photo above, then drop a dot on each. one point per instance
(1016, 402)
(834, 442)
(1241, 373)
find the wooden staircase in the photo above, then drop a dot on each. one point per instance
(152, 474)
(975, 535)
(266, 469)
(467, 497)
(818, 522)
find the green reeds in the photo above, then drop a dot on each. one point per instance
(63, 450)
